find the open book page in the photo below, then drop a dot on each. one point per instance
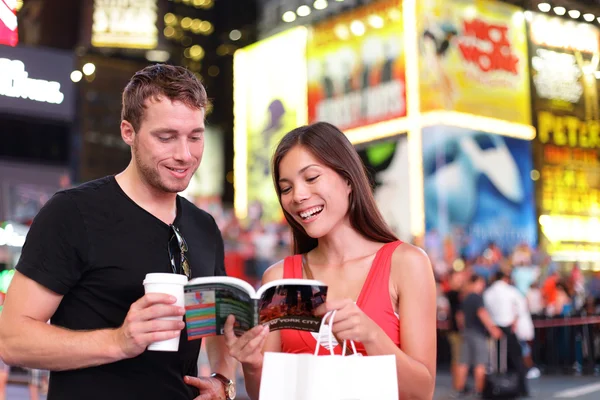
(209, 303)
(290, 303)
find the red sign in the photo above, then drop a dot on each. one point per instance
(8, 22)
(497, 57)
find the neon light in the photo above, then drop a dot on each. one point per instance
(15, 82)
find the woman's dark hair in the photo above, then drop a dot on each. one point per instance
(333, 149)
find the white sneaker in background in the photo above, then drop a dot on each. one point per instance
(533, 373)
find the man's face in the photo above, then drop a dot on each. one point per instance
(168, 146)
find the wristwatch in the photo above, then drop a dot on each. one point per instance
(228, 385)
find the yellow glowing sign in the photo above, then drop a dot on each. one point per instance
(571, 234)
(568, 35)
(355, 67)
(268, 102)
(125, 24)
(473, 59)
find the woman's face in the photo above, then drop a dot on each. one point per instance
(314, 195)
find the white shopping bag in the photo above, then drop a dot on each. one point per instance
(333, 377)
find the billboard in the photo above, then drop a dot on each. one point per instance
(473, 59)
(480, 184)
(356, 69)
(386, 162)
(208, 179)
(125, 24)
(268, 103)
(36, 82)
(8, 23)
(565, 56)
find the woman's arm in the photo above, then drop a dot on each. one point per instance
(412, 275)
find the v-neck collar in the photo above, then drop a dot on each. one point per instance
(309, 339)
(178, 212)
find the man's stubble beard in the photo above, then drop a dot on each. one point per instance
(152, 176)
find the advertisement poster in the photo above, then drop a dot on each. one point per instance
(479, 185)
(269, 103)
(8, 23)
(208, 179)
(128, 24)
(386, 162)
(356, 69)
(473, 59)
(565, 59)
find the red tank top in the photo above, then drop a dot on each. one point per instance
(373, 300)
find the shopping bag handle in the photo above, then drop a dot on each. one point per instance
(328, 320)
(353, 348)
(328, 317)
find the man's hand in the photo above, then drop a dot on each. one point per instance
(142, 326)
(496, 333)
(210, 388)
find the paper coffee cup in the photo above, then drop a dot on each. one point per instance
(171, 284)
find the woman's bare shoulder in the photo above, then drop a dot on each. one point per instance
(274, 272)
(409, 262)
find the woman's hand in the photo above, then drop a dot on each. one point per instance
(350, 322)
(247, 348)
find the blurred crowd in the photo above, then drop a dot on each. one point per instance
(554, 305)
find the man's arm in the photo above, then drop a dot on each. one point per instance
(460, 320)
(486, 320)
(27, 340)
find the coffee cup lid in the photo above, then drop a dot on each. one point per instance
(177, 279)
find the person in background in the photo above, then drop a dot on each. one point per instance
(525, 332)
(475, 324)
(502, 300)
(535, 300)
(454, 296)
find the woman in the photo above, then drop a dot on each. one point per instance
(383, 290)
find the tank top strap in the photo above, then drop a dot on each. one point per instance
(292, 267)
(387, 251)
(377, 282)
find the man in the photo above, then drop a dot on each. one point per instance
(475, 323)
(456, 283)
(89, 249)
(502, 301)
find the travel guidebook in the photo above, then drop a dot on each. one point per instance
(282, 304)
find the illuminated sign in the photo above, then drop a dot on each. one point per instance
(10, 237)
(8, 22)
(15, 82)
(565, 56)
(473, 59)
(6, 277)
(268, 103)
(125, 24)
(563, 34)
(356, 73)
(35, 82)
(488, 47)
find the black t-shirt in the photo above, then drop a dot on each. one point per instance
(94, 245)
(453, 297)
(470, 305)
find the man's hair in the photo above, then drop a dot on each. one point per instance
(475, 278)
(161, 80)
(500, 276)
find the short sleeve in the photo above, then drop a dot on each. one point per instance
(220, 253)
(478, 302)
(55, 250)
